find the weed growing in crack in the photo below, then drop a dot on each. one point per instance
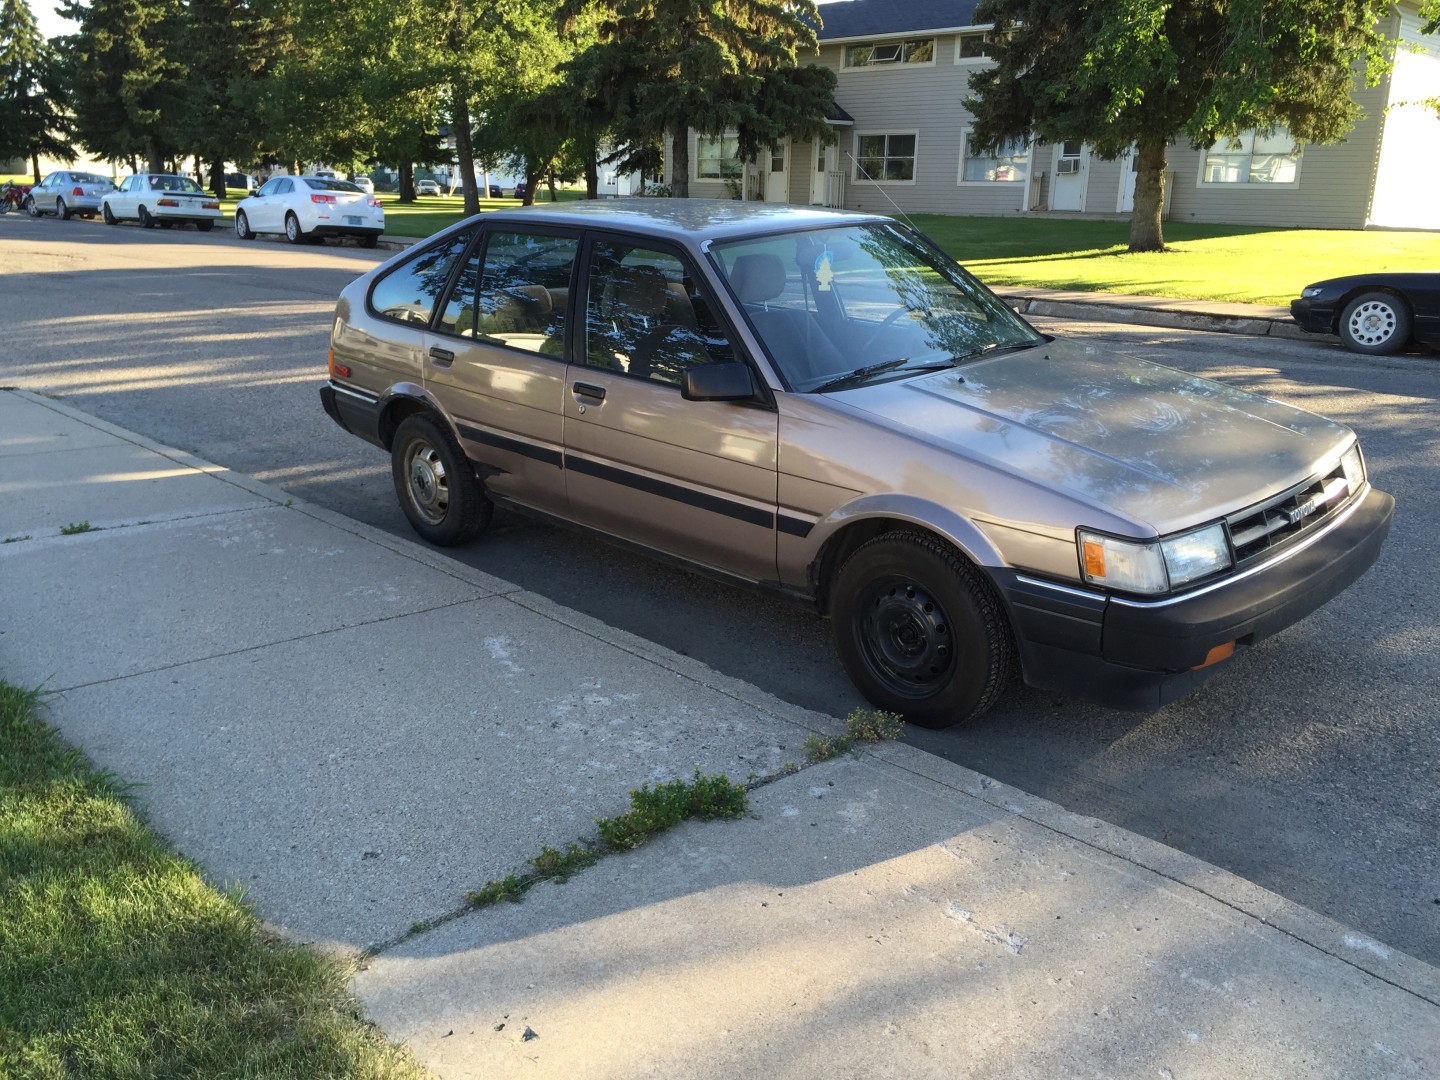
(13, 539)
(861, 726)
(77, 527)
(652, 810)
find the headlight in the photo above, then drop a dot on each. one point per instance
(1156, 566)
(1310, 292)
(1354, 469)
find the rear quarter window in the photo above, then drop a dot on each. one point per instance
(408, 293)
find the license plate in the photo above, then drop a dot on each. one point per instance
(353, 219)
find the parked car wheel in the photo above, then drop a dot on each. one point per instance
(437, 487)
(369, 240)
(293, 232)
(242, 226)
(31, 208)
(919, 631)
(61, 210)
(109, 215)
(146, 221)
(1377, 323)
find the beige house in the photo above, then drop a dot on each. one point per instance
(903, 70)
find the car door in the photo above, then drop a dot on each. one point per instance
(693, 478)
(269, 212)
(122, 201)
(44, 194)
(495, 359)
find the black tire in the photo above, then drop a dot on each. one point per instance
(242, 226)
(146, 221)
(61, 210)
(293, 232)
(435, 483)
(1377, 323)
(31, 208)
(204, 226)
(108, 215)
(920, 630)
(369, 240)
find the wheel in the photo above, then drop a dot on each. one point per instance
(369, 240)
(1377, 323)
(146, 221)
(920, 630)
(108, 214)
(242, 226)
(61, 210)
(437, 488)
(204, 226)
(31, 208)
(293, 232)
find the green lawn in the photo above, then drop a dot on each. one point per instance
(117, 960)
(1247, 264)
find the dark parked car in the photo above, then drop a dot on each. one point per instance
(823, 404)
(496, 191)
(1373, 313)
(520, 190)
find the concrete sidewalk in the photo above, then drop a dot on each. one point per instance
(358, 730)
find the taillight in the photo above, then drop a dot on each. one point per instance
(342, 370)
(210, 206)
(329, 199)
(78, 191)
(167, 202)
(373, 201)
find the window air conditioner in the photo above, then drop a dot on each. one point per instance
(1067, 166)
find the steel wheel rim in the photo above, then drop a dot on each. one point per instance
(906, 637)
(1373, 322)
(427, 482)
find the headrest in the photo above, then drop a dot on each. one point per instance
(635, 290)
(542, 304)
(757, 278)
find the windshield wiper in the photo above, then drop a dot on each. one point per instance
(996, 347)
(860, 375)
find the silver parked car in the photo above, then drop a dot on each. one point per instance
(66, 193)
(823, 404)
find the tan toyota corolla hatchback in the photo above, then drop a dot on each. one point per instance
(823, 404)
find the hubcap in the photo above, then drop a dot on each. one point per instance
(429, 486)
(907, 637)
(1372, 323)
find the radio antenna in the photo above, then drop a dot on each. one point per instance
(866, 173)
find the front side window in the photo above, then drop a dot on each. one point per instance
(884, 53)
(646, 316)
(1253, 157)
(408, 293)
(838, 307)
(270, 187)
(1007, 163)
(513, 291)
(717, 157)
(885, 158)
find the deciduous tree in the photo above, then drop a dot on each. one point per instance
(1117, 73)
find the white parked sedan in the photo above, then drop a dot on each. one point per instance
(310, 207)
(162, 199)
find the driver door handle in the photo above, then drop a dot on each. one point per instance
(441, 357)
(589, 390)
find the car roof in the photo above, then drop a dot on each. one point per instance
(683, 219)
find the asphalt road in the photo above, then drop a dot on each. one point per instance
(1309, 766)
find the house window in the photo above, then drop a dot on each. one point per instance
(717, 157)
(878, 54)
(885, 158)
(1007, 164)
(1253, 157)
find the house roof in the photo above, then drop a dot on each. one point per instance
(881, 18)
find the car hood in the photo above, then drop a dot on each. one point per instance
(1157, 446)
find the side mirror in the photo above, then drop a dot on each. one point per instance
(718, 382)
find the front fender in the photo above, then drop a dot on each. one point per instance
(911, 509)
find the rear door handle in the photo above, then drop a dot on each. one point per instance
(589, 390)
(442, 357)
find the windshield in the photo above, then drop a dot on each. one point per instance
(839, 306)
(174, 183)
(89, 178)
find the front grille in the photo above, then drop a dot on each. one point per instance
(1258, 530)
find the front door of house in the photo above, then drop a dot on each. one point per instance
(777, 173)
(1072, 168)
(1129, 166)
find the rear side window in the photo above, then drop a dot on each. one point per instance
(516, 294)
(409, 292)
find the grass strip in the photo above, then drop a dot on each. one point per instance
(652, 810)
(117, 960)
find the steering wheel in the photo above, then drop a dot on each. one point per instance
(865, 348)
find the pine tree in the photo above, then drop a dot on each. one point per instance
(32, 103)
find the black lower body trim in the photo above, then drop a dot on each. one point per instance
(716, 504)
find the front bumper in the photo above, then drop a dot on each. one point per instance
(1140, 654)
(1312, 317)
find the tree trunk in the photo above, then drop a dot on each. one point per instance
(1145, 228)
(35, 166)
(217, 178)
(153, 161)
(550, 183)
(592, 173)
(407, 181)
(680, 164)
(465, 150)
